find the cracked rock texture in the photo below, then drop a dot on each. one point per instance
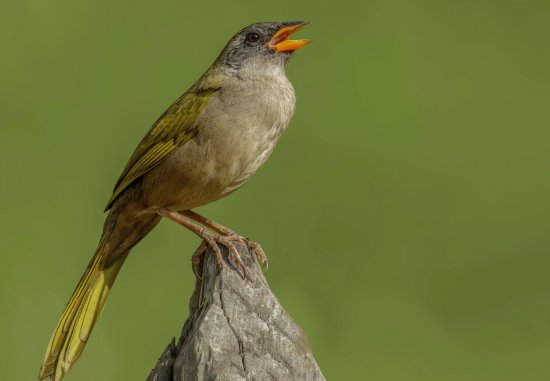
(236, 330)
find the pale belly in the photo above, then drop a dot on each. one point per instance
(227, 152)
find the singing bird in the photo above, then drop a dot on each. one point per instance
(207, 144)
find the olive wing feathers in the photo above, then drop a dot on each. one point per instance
(173, 129)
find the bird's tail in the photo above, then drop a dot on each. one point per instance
(78, 319)
(122, 231)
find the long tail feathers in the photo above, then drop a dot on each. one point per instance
(78, 319)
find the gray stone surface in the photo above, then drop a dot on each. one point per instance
(236, 330)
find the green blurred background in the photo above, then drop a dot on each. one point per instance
(405, 212)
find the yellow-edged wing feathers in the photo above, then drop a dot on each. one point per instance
(174, 128)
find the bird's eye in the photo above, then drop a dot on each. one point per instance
(252, 37)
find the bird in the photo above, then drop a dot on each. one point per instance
(206, 145)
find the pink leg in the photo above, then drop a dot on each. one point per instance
(254, 246)
(211, 240)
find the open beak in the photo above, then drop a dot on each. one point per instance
(280, 41)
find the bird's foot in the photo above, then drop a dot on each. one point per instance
(258, 252)
(226, 237)
(214, 241)
(228, 241)
(254, 246)
(209, 239)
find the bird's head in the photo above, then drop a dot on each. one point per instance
(263, 45)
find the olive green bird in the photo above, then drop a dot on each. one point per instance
(207, 144)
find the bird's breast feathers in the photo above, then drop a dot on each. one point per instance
(248, 118)
(241, 125)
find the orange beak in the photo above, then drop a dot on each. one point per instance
(281, 43)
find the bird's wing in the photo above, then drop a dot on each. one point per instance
(174, 128)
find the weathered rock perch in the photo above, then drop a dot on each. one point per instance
(236, 330)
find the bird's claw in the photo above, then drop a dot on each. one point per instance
(259, 252)
(254, 246)
(214, 241)
(227, 240)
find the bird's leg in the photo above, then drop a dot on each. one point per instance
(208, 223)
(209, 239)
(254, 246)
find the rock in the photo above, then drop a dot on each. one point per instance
(236, 330)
